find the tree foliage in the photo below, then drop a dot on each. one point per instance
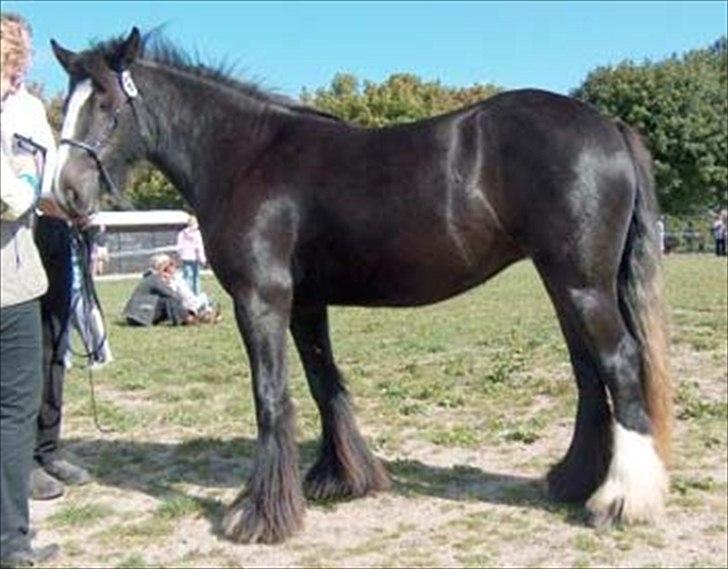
(403, 97)
(680, 105)
(148, 188)
(53, 107)
(54, 110)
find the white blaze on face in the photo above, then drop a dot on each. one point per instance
(80, 95)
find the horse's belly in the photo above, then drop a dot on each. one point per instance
(410, 275)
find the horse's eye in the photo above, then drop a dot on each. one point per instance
(102, 102)
(98, 87)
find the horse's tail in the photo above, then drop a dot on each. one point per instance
(640, 292)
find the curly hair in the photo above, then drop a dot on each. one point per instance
(15, 36)
(160, 261)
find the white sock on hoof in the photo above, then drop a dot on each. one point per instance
(636, 477)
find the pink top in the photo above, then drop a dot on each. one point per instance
(189, 245)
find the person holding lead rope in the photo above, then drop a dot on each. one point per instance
(27, 154)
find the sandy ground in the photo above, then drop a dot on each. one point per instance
(449, 507)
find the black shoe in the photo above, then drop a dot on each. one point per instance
(43, 486)
(66, 472)
(30, 557)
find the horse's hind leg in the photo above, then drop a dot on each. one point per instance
(636, 484)
(345, 466)
(633, 487)
(585, 464)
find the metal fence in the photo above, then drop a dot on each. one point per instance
(130, 250)
(688, 242)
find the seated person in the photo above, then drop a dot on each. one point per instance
(163, 295)
(200, 305)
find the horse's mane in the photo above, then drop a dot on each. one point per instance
(159, 49)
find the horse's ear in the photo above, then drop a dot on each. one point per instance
(127, 52)
(66, 58)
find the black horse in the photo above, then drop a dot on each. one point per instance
(300, 210)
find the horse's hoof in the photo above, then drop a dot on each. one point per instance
(607, 518)
(319, 485)
(615, 504)
(635, 487)
(244, 523)
(323, 482)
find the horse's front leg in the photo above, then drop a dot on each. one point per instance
(271, 508)
(345, 466)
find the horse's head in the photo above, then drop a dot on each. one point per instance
(101, 136)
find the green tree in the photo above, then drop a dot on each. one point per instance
(401, 98)
(54, 111)
(680, 105)
(53, 107)
(148, 188)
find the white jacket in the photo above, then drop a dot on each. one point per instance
(22, 276)
(24, 114)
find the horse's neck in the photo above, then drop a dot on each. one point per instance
(194, 124)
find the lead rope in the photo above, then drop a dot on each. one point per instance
(90, 300)
(94, 412)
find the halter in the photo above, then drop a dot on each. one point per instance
(94, 147)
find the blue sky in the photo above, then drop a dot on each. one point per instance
(291, 45)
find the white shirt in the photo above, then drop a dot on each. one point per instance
(22, 277)
(24, 114)
(17, 195)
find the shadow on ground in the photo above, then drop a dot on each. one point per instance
(156, 468)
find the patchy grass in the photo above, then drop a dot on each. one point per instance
(134, 561)
(74, 515)
(179, 507)
(468, 401)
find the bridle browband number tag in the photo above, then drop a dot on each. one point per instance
(127, 84)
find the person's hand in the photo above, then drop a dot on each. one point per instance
(49, 206)
(83, 222)
(52, 208)
(24, 164)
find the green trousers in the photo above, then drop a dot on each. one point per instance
(21, 380)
